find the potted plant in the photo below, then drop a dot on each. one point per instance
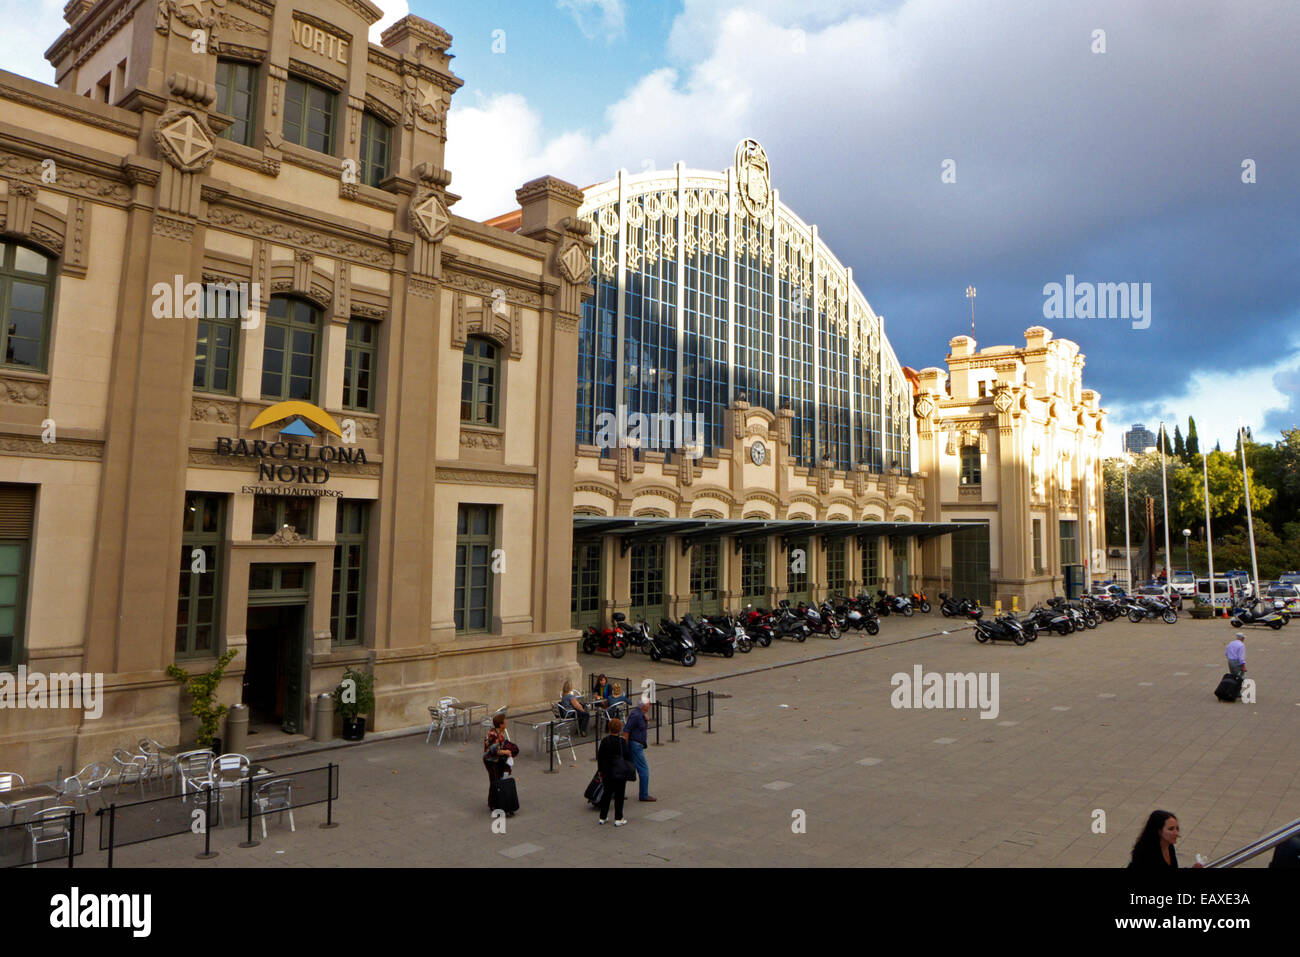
(202, 689)
(353, 699)
(1202, 608)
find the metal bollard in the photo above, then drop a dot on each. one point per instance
(207, 854)
(659, 720)
(323, 726)
(236, 729)
(672, 708)
(710, 730)
(329, 799)
(550, 744)
(692, 706)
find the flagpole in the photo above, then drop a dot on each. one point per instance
(1209, 535)
(1250, 522)
(1164, 485)
(1128, 546)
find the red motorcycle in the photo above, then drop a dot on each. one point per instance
(612, 640)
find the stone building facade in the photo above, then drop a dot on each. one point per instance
(263, 390)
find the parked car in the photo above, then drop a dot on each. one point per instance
(1167, 591)
(1184, 583)
(1114, 591)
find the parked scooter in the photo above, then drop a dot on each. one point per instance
(858, 616)
(1050, 619)
(1256, 614)
(899, 604)
(789, 625)
(1147, 607)
(920, 602)
(1003, 628)
(612, 640)
(732, 625)
(817, 622)
(709, 638)
(674, 642)
(965, 608)
(758, 625)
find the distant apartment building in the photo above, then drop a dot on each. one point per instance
(1139, 439)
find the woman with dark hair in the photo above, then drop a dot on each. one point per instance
(499, 754)
(1154, 848)
(613, 750)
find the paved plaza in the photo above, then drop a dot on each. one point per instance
(1121, 720)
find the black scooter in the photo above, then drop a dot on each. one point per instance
(1256, 615)
(1005, 628)
(965, 608)
(674, 642)
(709, 638)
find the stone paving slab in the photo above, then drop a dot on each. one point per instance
(1001, 794)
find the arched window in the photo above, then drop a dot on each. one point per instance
(480, 382)
(26, 295)
(291, 354)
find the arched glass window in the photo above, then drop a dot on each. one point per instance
(26, 295)
(480, 382)
(291, 355)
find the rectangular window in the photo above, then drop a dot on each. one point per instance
(871, 565)
(347, 600)
(585, 605)
(237, 97)
(17, 505)
(836, 580)
(278, 581)
(216, 344)
(1069, 543)
(475, 539)
(1038, 545)
(705, 577)
(275, 513)
(199, 606)
(970, 465)
(479, 382)
(359, 366)
(798, 556)
(376, 147)
(291, 354)
(309, 115)
(753, 568)
(647, 560)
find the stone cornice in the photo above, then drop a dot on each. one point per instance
(62, 449)
(294, 225)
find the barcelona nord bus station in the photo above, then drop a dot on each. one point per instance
(666, 410)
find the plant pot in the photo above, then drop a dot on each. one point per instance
(354, 729)
(1203, 612)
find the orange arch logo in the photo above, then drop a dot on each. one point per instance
(285, 410)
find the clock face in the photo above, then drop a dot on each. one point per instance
(758, 452)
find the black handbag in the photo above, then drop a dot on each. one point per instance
(622, 769)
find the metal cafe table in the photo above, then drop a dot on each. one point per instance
(469, 707)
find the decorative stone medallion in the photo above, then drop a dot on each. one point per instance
(753, 177)
(429, 217)
(185, 141)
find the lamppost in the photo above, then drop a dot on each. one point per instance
(1187, 537)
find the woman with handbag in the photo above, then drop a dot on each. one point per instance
(499, 754)
(614, 763)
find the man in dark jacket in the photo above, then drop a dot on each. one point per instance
(636, 738)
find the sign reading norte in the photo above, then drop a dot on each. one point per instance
(312, 460)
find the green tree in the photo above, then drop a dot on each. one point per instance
(1193, 445)
(1180, 451)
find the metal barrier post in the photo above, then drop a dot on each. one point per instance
(72, 836)
(249, 810)
(207, 854)
(550, 745)
(710, 730)
(329, 800)
(112, 820)
(672, 710)
(659, 719)
(692, 706)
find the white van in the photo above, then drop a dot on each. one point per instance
(1226, 590)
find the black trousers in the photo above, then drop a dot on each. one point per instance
(614, 790)
(583, 717)
(494, 770)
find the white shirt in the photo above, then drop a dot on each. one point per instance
(1236, 651)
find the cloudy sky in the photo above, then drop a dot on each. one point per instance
(1119, 166)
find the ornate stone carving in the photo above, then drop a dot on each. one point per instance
(924, 407)
(425, 104)
(429, 217)
(480, 439)
(286, 535)
(24, 391)
(184, 140)
(495, 320)
(470, 476)
(169, 227)
(290, 235)
(214, 410)
(753, 178)
(63, 448)
(486, 288)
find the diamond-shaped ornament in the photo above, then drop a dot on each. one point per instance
(189, 141)
(431, 219)
(574, 263)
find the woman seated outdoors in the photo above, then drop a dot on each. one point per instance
(572, 702)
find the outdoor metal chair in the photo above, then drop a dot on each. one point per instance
(274, 797)
(130, 769)
(224, 773)
(443, 716)
(51, 826)
(486, 723)
(195, 769)
(561, 736)
(152, 752)
(87, 782)
(10, 780)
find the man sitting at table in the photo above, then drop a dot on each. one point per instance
(571, 702)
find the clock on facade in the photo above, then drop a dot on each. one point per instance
(758, 452)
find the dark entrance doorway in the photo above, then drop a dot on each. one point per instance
(970, 563)
(273, 676)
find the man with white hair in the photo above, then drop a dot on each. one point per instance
(635, 732)
(1236, 654)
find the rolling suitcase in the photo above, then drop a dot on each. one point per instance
(505, 796)
(1229, 688)
(595, 790)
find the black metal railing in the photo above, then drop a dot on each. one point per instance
(282, 793)
(42, 840)
(671, 707)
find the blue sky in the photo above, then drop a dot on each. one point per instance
(1120, 164)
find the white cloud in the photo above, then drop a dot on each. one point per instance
(394, 10)
(597, 19)
(22, 49)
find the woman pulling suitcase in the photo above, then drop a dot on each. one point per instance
(499, 754)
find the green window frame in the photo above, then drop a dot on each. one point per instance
(1038, 545)
(376, 149)
(237, 97)
(268, 583)
(216, 344)
(347, 599)
(797, 582)
(1069, 542)
(753, 569)
(871, 565)
(836, 579)
(585, 601)
(26, 302)
(310, 114)
(359, 365)
(198, 608)
(706, 565)
(271, 513)
(475, 541)
(291, 352)
(17, 509)
(480, 379)
(647, 572)
(970, 465)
